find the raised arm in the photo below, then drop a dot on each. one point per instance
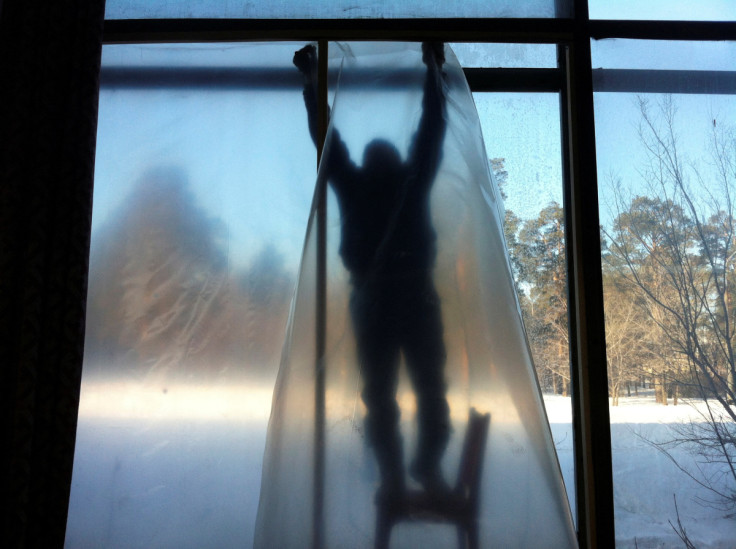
(426, 149)
(306, 61)
(341, 168)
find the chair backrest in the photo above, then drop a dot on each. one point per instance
(471, 462)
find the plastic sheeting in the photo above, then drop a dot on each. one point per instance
(488, 364)
(197, 234)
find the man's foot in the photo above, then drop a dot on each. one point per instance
(431, 479)
(391, 494)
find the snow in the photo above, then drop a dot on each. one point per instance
(180, 467)
(645, 480)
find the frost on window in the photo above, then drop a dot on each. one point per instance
(334, 9)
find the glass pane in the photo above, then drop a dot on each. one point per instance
(506, 55)
(663, 55)
(522, 136)
(203, 185)
(673, 10)
(332, 9)
(667, 174)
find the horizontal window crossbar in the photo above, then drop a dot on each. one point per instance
(212, 78)
(236, 30)
(479, 79)
(515, 80)
(248, 78)
(664, 81)
(522, 30)
(663, 30)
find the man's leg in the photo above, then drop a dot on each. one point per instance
(425, 355)
(378, 356)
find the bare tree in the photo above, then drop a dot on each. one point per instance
(537, 250)
(628, 341)
(674, 250)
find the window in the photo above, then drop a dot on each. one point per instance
(664, 134)
(530, 70)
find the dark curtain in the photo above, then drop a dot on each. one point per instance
(49, 67)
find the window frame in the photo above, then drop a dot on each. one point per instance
(574, 79)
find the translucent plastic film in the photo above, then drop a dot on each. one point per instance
(422, 326)
(197, 236)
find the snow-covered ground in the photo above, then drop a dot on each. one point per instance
(645, 480)
(180, 467)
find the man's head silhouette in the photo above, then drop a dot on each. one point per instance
(381, 160)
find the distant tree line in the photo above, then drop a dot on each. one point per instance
(669, 272)
(164, 298)
(669, 281)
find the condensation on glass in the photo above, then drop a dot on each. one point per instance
(523, 129)
(666, 157)
(334, 9)
(202, 191)
(324, 470)
(616, 53)
(506, 55)
(662, 10)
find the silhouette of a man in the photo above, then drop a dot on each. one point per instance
(389, 246)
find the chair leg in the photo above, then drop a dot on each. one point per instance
(472, 530)
(462, 536)
(383, 530)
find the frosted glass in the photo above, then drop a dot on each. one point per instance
(200, 203)
(214, 55)
(673, 10)
(663, 55)
(524, 130)
(488, 365)
(330, 9)
(506, 55)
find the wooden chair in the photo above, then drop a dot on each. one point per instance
(459, 507)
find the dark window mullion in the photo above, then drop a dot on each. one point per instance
(591, 422)
(246, 78)
(664, 81)
(515, 30)
(663, 30)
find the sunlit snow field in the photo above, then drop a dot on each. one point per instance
(180, 467)
(645, 481)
